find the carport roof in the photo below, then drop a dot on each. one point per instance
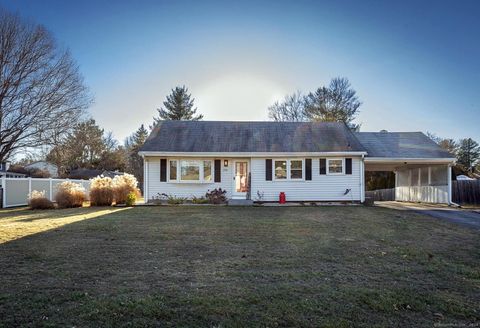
(402, 145)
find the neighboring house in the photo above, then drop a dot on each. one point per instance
(92, 173)
(51, 168)
(4, 166)
(308, 161)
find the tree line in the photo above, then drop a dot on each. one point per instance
(43, 100)
(466, 151)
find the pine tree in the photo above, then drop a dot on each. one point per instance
(135, 161)
(178, 106)
(468, 153)
(336, 103)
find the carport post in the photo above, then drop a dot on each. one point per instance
(449, 177)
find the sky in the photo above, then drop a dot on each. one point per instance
(414, 64)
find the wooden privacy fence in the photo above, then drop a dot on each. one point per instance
(15, 190)
(381, 194)
(466, 192)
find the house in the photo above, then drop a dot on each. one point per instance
(85, 174)
(308, 161)
(51, 168)
(4, 166)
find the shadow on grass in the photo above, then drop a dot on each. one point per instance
(196, 266)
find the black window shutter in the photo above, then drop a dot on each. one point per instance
(218, 171)
(308, 169)
(163, 169)
(348, 166)
(323, 166)
(268, 169)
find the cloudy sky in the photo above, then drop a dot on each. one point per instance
(415, 64)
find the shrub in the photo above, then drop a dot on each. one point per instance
(199, 200)
(131, 199)
(70, 194)
(124, 185)
(172, 199)
(216, 196)
(38, 201)
(101, 191)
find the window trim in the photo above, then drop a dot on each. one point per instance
(336, 159)
(289, 172)
(201, 179)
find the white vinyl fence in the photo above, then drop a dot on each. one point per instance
(16, 190)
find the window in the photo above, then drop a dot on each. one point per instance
(439, 175)
(189, 170)
(194, 171)
(296, 169)
(335, 166)
(288, 169)
(280, 170)
(173, 170)
(207, 171)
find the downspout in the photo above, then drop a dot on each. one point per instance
(450, 202)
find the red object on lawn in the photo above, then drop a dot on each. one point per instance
(282, 199)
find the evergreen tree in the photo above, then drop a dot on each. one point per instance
(134, 160)
(178, 106)
(468, 153)
(336, 103)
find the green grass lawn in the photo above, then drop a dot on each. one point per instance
(236, 266)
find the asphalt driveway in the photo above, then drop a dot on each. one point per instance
(465, 217)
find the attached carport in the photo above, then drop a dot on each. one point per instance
(422, 169)
(417, 180)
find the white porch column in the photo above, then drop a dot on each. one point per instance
(449, 177)
(362, 180)
(145, 180)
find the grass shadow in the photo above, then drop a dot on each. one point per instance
(197, 266)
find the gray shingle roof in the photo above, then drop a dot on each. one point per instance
(221, 136)
(400, 145)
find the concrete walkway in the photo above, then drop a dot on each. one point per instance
(465, 217)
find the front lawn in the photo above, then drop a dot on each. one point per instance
(236, 266)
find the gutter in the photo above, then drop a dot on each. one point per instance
(408, 160)
(248, 154)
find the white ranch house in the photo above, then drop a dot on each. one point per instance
(305, 160)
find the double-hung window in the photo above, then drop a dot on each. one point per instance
(189, 170)
(288, 169)
(335, 166)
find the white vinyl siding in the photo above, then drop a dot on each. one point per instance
(185, 189)
(321, 188)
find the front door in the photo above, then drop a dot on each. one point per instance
(240, 179)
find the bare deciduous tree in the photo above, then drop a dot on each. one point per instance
(42, 94)
(290, 109)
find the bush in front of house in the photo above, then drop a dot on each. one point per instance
(200, 200)
(216, 196)
(38, 201)
(123, 185)
(131, 199)
(101, 191)
(70, 194)
(174, 200)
